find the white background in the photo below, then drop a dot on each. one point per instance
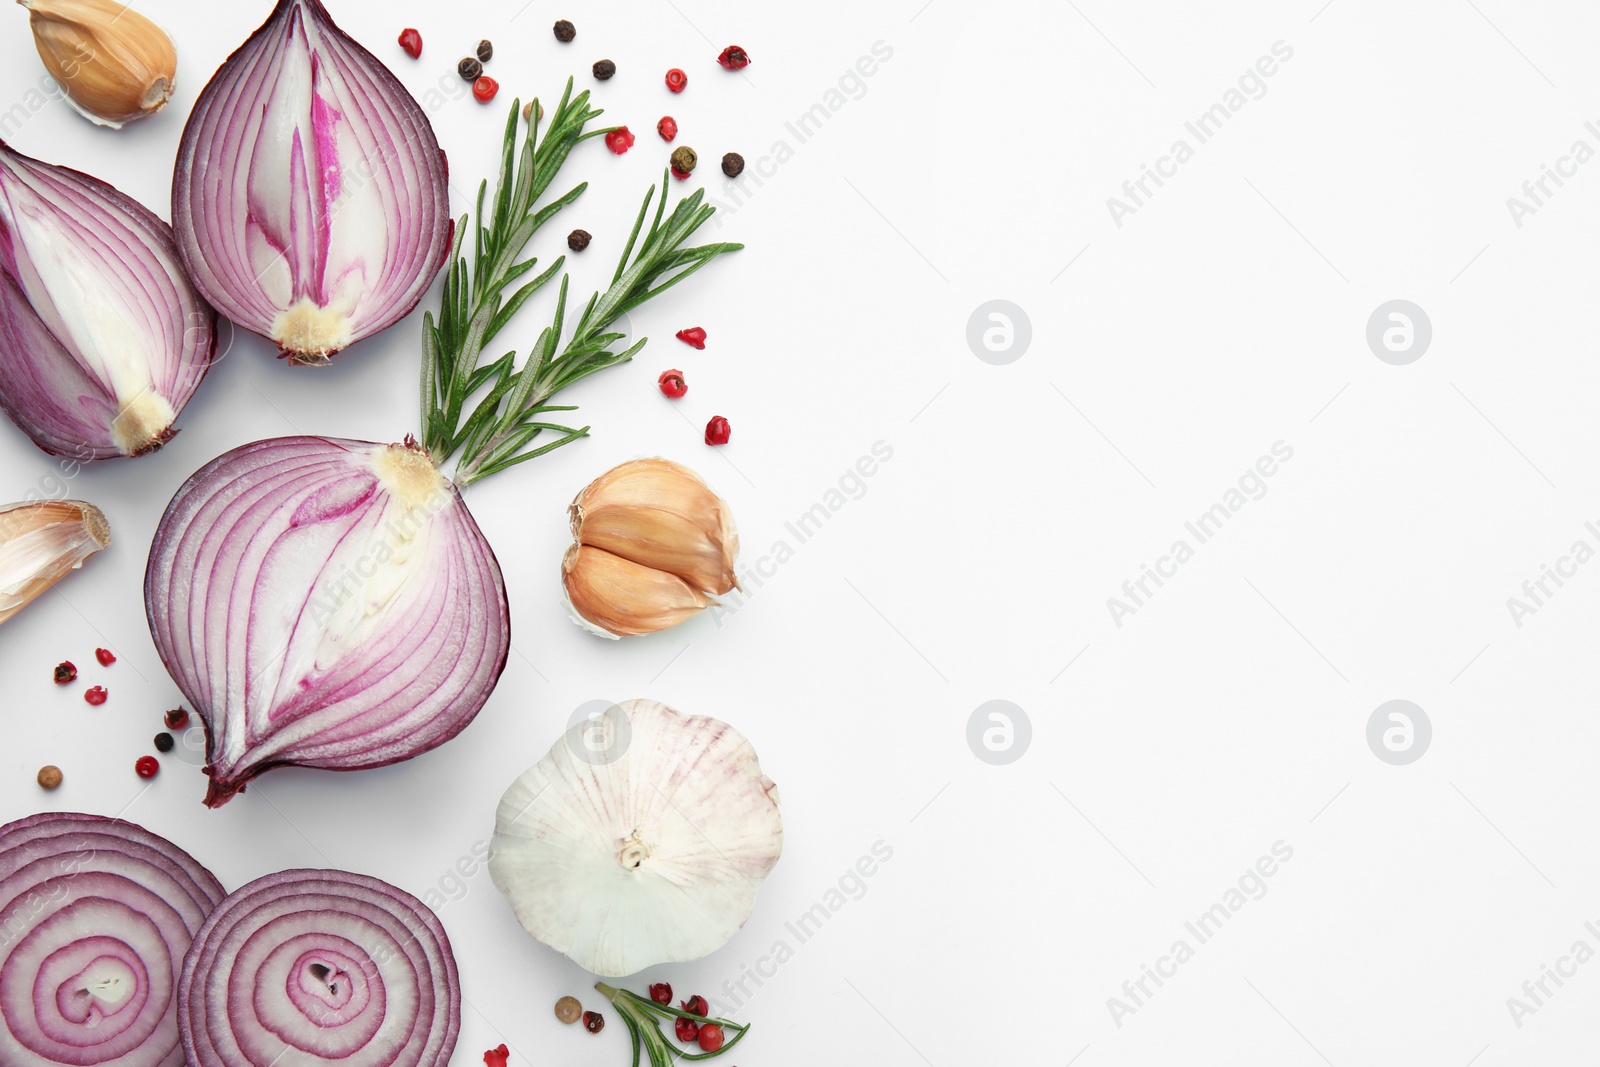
(1167, 754)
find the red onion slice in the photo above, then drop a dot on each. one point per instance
(102, 337)
(324, 603)
(311, 967)
(97, 915)
(310, 197)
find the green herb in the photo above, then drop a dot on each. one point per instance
(642, 1015)
(493, 413)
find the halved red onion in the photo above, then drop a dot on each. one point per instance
(97, 915)
(310, 967)
(103, 337)
(324, 603)
(310, 196)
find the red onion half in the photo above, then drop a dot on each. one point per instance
(324, 603)
(310, 967)
(96, 915)
(310, 196)
(102, 335)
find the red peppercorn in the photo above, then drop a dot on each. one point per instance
(65, 672)
(146, 767)
(672, 386)
(484, 88)
(96, 696)
(661, 993)
(594, 1022)
(694, 337)
(734, 58)
(677, 80)
(104, 656)
(619, 140)
(695, 1005)
(497, 1057)
(679, 173)
(687, 1030)
(411, 41)
(711, 1037)
(667, 127)
(176, 719)
(717, 433)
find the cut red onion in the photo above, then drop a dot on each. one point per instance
(96, 915)
(104, 338)
(310, 967)
(324, 603)
(310, 196)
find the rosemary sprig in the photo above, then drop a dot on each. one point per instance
(507, 417)
(640, 1015)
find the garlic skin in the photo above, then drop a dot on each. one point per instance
(114, 64)
(651, 853)
(652, 547)
(41, 543)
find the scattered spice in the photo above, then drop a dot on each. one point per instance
(568, 1009)
(176, 719)
(604, 69)
(644, 1017)
(667, 128)
(695, 1005)
(527, 111)
(497, 1057)
(734, 58)
(469, 69)
(104, 656)
(565, 31)
(484, 88)
(96, 696)
(619, 140)
(411, 41)
(684, 159)
(687, 1030)
(672, 387)
(717, 433)
(49, 776)
(733, 164)
(578, 240)
(677, 80)
(694, 337)
(146, 767)
(661, 992)
(594, 1022)
(679, 173)
(164, 742)
(710, 1037)
(485, 50)
(65, 672)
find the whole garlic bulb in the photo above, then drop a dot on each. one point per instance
(647, 849)
(652, 547)
(114, 64)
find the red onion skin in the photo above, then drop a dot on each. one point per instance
(269, 508)
(419, 227)
(67, 425)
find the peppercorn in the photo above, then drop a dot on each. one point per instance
(49, 776)
(684, 159)
(710, 1037)
(677, 80)
(594, 1022)
(527, 111)
(484, 88)
(567, 1008)
(176, 719)
(661, 992)
(733, 164)
(104, 656)
(485, 50)
(469, 69)
(619, 140)
(146, 767)
(578, 240)
(695, 1005)
(672, 387)
(604, 69)
(679, 173)
(734, 58)
(667, 128)
(499, 1056)
(565, 31)
(694, 337)
(96, 695)
(164, 742)
(65, 672)
(687, 1030)
(411, 41)
(717, 433)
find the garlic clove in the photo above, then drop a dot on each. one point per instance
(114, 64)
(40, 543)
(664, 541)
(624, 598)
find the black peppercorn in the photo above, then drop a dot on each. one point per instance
(485, 50)
(604, 69)
(469, 69)
(684, 159)
(565, 31)
(164, 742)
(578, 240)
(733, 164)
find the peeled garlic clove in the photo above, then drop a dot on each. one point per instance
(41, 543)
(648, 851)
(114, 64)
(623, 598)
